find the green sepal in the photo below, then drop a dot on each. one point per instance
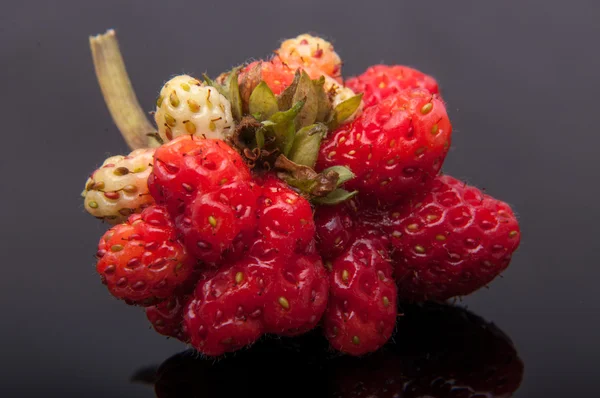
(260, 137)
(324, 107)
(213, 83)
(307, 142)
(262, 102)
(229, 89)
(232, 89)
(303, 185)
(284, 100)
(250, 80)
(344, 110)
(210, 82)
(335, 197)
(305, 178)
(344, 173)
(284, 127)
(305, 92)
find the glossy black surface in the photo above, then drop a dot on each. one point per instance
(521, 82)
(437, 350)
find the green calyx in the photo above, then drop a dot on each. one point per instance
(323, 188)
(285, 132)
(262, 102)
(344, 110)
(283, 125)
(336, 196)
(307, 142)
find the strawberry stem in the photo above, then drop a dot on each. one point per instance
(118, 92)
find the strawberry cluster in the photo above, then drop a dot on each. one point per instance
(279, 199)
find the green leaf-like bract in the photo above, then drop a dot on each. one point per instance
(260, 138)
(324, 107)
(233, 93)
(262, 102)
(307, 142)
(345, 173)
(210, 81)
(305, 92)
(344, 110)
(230, 89)
(285, 98)
(284, 127)
(303, 185)
(335, 197)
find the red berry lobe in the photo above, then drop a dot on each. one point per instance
(453, 241)
(390, 146)
(188, 165)
(141, 261)
(382, 81)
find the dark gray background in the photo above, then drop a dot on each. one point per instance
(521, 82)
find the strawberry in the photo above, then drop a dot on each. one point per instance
(225, 311)
(394, 147)
(279, 75)
(361, 314)
(187, 165)
(233, 306)
(337, 226)
(450, 241)
(285, 218)
(298, 295)
(186, 106)
(119, 187)
(220, 255)
(141, 261)
(314, 54)
(220, 211)
(276, 74)
(335, 229)
(166, 317)
(381, 81)
(220, 221)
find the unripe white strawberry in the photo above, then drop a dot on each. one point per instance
(119, 187)
(314, 54)
(186, 106)
(339, 93)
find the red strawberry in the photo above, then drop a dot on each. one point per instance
(234, 306)
(394, 147)
(225, 313)
(167, 317)
(335, 229)
(189, 164)
(450, 242)
(285, 218)
(298, 295)
(361, 314)
(275, 73)
(221, 221)
(141, 261)
(382, 81)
